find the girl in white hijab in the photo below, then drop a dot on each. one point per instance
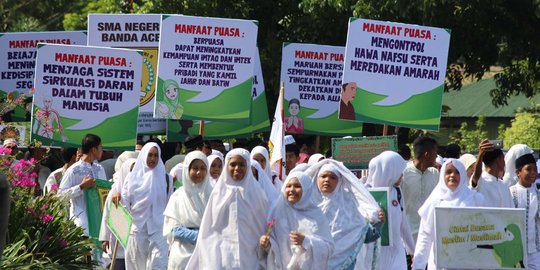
(451, 191)
(386, 170)
(145, 195)
(185, 210)
(264, 182)
(347, 205)
(517, 150)
(233, 220)
(260, 154)
(315, 158)
(215, 167)
(300, 238)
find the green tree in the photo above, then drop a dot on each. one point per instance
(524, 129)
(467, 139)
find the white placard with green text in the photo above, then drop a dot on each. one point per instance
(205, 68)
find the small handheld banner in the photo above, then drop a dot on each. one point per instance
(18, 58)
(119, 222)
(135, 31)
(95, 201)
(382, 196)
(494, 237)
(82, 90)
(355, 153)
(394, 73)
(205, 68)
(312, 77)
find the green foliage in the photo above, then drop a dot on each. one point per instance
(467, 139)
(524, 129)
(77, 20)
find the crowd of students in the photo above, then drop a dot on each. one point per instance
(214, 210)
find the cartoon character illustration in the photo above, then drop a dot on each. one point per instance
(44, 120)
(170, 107)
(293, 123)
(510, 252)
(346, 109)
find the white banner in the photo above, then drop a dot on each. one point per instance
(480, 238)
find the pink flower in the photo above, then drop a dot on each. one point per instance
(63, 243)
(46, 218)
(270, 225)
(54, 187)
(44, 206)
(5, 150)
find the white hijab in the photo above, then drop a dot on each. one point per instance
(120, 176)
(516, 151)
(384, 171)
(441, 195)
(314, 158)
(305, 217)
(211, 159)
(186, 208)
(232, 223)
(265, 183)
(347, 208)
(261, 150)
(147, 188)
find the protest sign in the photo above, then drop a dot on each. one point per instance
(355, 153)
(382, 196)
(95, 201)
(119, 221)
(177, 130)
(205, 68)
(135, 31)
(17, 60)
(312, 77)
(494, 237)
(82, 90)
(394, 73)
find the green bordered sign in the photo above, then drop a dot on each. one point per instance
(355, 153)
(119, 222)
(95, 201)
(382, 196)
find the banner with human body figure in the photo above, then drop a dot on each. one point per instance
(205, 68)
(82, 90)
(133, 31)
(394, 73)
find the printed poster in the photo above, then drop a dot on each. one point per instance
(382, 196)
(177, 130)
(133, 31)
(205, 68)
(119, 222)
(82, 90)
(312, 77)
(95, 201)
(355, 153)
(494, 237)
(18, 58)
(394, 74)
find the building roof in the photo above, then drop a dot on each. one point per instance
(474, 99)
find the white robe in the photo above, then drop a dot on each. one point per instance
(384, 171)
(462, 196)
(183, 210)
(527, 198)
(348, 209)
(416, 187)
(145, 195)
(495, 192)
(233, 221)
(305, 217)
(55, 178)
(70, 188)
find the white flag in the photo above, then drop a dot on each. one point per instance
(276, 144)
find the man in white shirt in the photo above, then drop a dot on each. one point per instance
(489, 182)
(419, 179)
(69, 155)
(81, 176)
